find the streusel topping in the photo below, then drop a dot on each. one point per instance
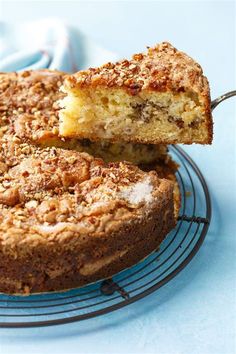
(51, 191)
(163, 67)
(29, 103)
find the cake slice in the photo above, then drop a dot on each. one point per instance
(29, 110)
(159, 97)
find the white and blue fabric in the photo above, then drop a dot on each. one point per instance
(49, 44)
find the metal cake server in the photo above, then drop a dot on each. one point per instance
(221, 98)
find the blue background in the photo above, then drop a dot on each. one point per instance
(195, 312)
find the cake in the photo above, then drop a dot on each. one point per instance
(158, 97)
(68, 219)
(29, 109)
(29, 112)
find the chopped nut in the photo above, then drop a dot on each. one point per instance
(55, 130)
(10, 197)
(72, 159)
(3, 167)
(132, 66)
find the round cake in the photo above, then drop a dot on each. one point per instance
(67, 218)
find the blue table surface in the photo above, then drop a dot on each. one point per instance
(195, 312)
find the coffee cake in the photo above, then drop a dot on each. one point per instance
(158, 97)
(68, 219)
(29, 113)
(29, 110)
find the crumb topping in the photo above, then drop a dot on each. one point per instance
(162, 68)
(53, 191)
(29, 103)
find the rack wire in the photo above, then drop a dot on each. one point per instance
(130, 285)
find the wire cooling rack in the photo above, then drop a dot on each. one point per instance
(174, 254)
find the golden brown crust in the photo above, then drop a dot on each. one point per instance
(48, 269)
(162, 68)
(207, 104)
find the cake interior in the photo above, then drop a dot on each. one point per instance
(111, 152)
(113, 114)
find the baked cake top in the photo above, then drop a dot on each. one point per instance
(162, 68)
(29, 103)
(54, 194)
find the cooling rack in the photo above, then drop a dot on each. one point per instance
(129, 286)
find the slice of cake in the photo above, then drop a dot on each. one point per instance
(29, 113)
(29, 110)
(159, 97)
(68, 219)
